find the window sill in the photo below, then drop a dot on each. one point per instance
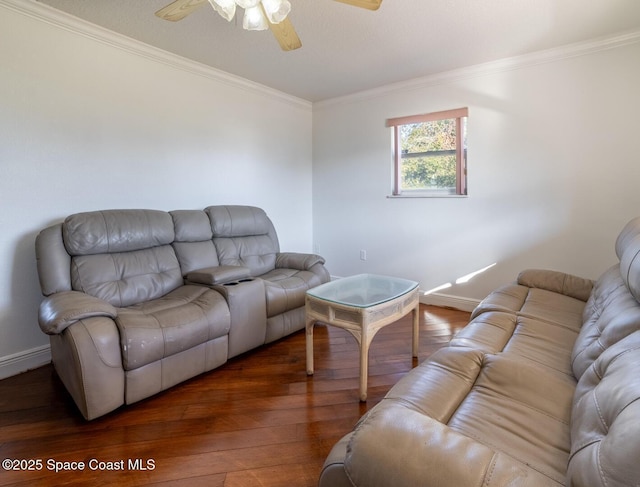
(426, 195)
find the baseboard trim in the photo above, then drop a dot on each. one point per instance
(24, 361)
(448, 301)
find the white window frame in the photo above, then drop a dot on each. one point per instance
(461, 162)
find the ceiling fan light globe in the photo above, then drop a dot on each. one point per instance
(254, 19)
(245, 4)
(276, 10)
(226, 8)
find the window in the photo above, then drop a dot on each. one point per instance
(430, 153)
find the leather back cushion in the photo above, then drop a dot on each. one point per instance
(630, 266)
(127, 278)
(100, 232)
(244, 235)
(604, 427)
(193, 243)
(122, 256)
(612, 311)
(611, 314)
(630, 231)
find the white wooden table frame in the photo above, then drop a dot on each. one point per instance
(362, 322)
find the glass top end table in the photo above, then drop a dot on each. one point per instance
(362, 290)
(362, 305)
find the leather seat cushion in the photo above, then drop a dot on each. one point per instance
(184, 318)
(286, 289)
(465, 405)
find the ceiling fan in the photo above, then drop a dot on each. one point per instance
(258, 15)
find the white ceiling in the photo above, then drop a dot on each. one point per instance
(347, 49)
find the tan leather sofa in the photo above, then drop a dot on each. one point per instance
(140, 300)
(541, 388)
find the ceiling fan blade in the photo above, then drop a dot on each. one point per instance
(368, 4)
(179, 9)
(286, 35)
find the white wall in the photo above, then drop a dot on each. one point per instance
(553, 172)
(90, 120)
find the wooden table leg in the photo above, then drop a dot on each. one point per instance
(416, 328)
(364, 368)
(310, 346)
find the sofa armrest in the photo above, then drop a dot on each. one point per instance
(60, 310)
(211, 276)
(301, 262)
(558, 282)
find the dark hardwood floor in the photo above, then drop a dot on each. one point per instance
(256, 421)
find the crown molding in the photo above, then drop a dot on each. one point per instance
(62, 20)
(492, 67)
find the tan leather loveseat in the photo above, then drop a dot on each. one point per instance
(140, 300)
(541, 388)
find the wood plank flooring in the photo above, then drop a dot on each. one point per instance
(256, 421)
